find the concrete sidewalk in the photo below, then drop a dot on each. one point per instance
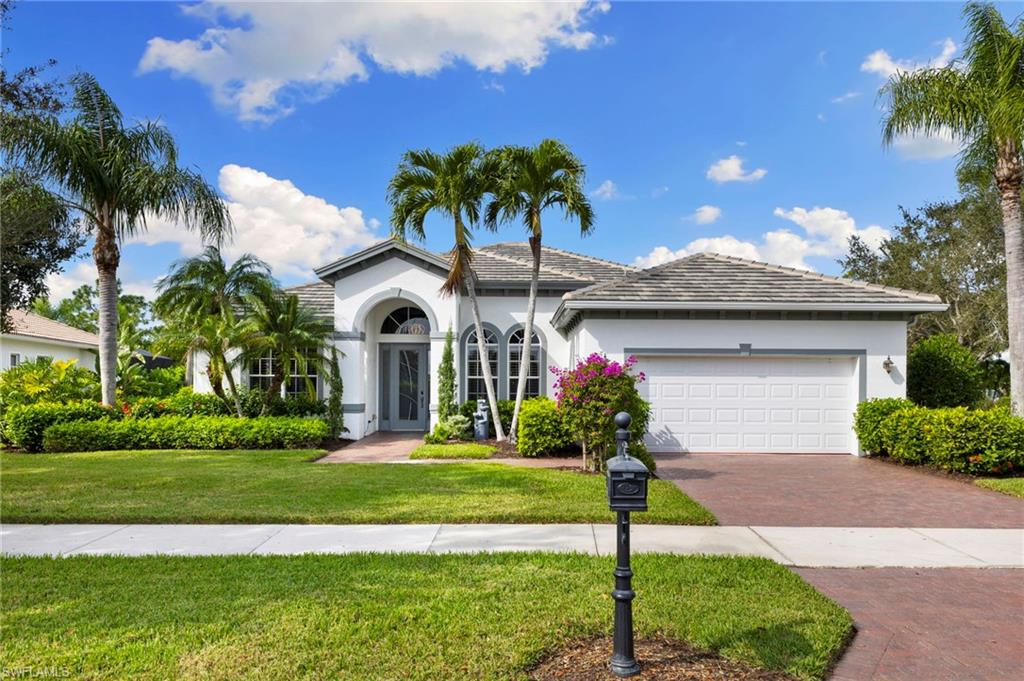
(838, 547)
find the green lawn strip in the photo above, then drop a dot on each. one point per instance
(392, 616)
(1012, 486)
(462, 450)
(284, 487)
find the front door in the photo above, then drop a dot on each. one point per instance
(408, 386)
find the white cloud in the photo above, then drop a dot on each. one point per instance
(927, 147)
(741, 143)
(659, 192)
(731, 170)
(63, 284)
(275, 221)
(706, 214)
(261, 59)
(884, 65)
(608, 191)
(845, 97)
(822, 232)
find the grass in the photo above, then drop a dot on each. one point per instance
(401, 616)
(461, 450)
(284, 487)
(1012, 486)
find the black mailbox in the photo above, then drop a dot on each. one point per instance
(627, 477)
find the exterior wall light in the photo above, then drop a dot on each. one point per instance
(888, 364)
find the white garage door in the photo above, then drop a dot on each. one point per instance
(750, 404)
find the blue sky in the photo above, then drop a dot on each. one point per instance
(751, 129)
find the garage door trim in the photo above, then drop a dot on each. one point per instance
(745, 350)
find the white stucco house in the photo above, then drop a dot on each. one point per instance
(740, 356)
(33, 336)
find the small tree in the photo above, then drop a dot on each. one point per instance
(591, 394)
(943, 373)
(446, 379)
(335, 411)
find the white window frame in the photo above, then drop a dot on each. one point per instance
(15, 359)
(513, 375)
(491, 345)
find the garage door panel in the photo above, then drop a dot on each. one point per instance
(789, 404)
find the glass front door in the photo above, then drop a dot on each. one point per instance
(407, 399)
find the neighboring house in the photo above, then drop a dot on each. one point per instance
(34, 336)
(739, 356)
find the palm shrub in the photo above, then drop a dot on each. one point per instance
(446, 379)
(590, 394)
(943, 373)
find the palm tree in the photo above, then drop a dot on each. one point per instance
(115, 177)
(453, 184)
(529, 181)
(981, 100)
(278, 323)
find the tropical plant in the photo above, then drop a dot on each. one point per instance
(590, 394)
(530, 180)
(278, 323)
(446, 379)
(980, 99)
(335, 403)
(115, 176)
(206, 284)
(453, 184)
(46, 380)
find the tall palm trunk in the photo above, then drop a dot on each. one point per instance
(1009, 175)
(107, 257)
(485, 361)
(531, 307)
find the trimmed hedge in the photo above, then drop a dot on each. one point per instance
(975, 441)
(26, 424)
(943, 373)
(188, 403)
(180, 432)
(869, 417)
(541, 429)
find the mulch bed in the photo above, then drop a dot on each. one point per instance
(660, 658)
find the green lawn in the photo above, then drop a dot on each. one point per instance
(1012, 486)
(368, 616)
(461, 450)
(284, 487)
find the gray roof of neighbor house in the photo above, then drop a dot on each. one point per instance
(576, 266)
(714, 281)
(317, 295)
(29, 324)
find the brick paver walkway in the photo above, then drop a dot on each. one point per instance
(380, 447)
(936, 625)
(833, 491)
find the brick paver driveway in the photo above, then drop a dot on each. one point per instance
(912, 625)
(833, 490)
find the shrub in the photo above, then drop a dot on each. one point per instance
(335, 404)
(45, 380)
(541, 429)
(904, 435)
(181, 432)
(943, 373)
(590, 395)
(26, 424)
(976, 441)
(868, 420)
(446, 379)
(505, 409)
(186, 402)
(456, 427)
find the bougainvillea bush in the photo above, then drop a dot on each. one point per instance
(590, 394)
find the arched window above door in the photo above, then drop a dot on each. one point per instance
(407, 320)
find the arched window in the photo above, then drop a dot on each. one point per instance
(406, 321)
(515, 351)
(475, 387)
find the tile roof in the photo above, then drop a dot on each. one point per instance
(710, 279)
(24, 323)
(575, 265)
(317, 295)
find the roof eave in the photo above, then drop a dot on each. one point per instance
(326, 272)
(50, 339)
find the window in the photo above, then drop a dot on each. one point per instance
(299, 381)
(475, 387)
(261, 372)
(515, 351)
(406, 321)
(15, 359)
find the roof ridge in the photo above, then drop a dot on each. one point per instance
(546, 268)
(632, 275)
(306, 285)
(821, 276)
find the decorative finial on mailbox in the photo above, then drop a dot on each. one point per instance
(622, 421)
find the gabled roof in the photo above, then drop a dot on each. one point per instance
(721, 282)
(383, 249)
(31, 325)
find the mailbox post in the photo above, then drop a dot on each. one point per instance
(627, 491)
